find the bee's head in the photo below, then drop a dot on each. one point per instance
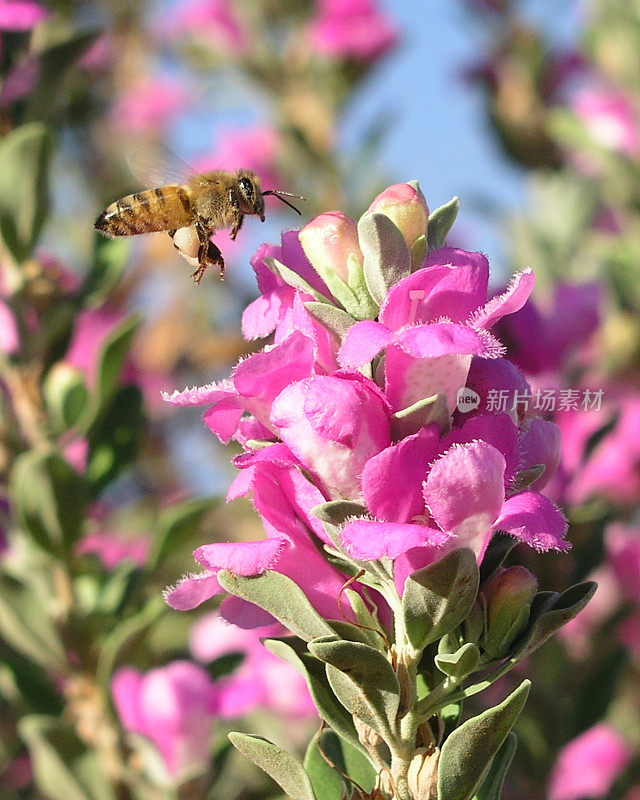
(250, 194)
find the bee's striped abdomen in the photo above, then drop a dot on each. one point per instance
(162, 209)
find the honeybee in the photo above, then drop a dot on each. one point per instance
(192, 212)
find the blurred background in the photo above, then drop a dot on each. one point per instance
(529, 111)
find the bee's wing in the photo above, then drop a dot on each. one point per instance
(155, 165)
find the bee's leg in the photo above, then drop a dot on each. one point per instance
(238, 215)
(208, 253)
(237, 225)
(214, 256)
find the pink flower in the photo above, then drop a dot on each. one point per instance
(91, 330)
(149, 106)
(610, 118)
(214, 21)
(352, 29)
(173, 706)
(20, 15)
(588, 766)
(259, 681)
(9, 336)
(113, 550)
(406, 206)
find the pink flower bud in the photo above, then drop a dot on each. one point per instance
(508, 597)
(328, 241)
(406, 206)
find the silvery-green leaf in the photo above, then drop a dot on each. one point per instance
(459, 664)
(352, 633)
(327, 781)
(281, 597)
(280, 765)
(386, 256)
(440, 223)
(437, 598)
(418, 253)
(367, 306)
(337, 512)
(293, 279)
(466, 755)
(341, 291)
(333, 318)
(362, 679)
(414, 417)
(64, 768)
(24, 195)
(525, 478)
(24, 623)
(491, 788)
(294, 652)
(550, 611)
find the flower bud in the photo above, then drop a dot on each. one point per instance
(405, 205)
(423, 774)
(508, 597)
(328, 240)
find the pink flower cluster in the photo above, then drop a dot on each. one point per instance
(373, 418)
(351, 29)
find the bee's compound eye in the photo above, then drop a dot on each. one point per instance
(247, 186)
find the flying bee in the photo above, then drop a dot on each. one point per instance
(192, 212)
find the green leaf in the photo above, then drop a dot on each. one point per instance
(24, 194)
(109, 262)
(440, 223)
(491, 788)
(550, 614)
(64, 768)
(294, 652)
(327, 781)
(112, 358)
(438, 598)
(50, 498)
(26, 626)
(337, 512)
(280, 765)
(499, 548)
(430, 409)
(175, 524)
(466, 755)
(282, 598)
(333, 318)
(459, 664)
(341, 291)
(418, 253)
(363, 680)
(293, 279)
(66, 395)
(367, 307)
(525, 478)
(386, 256)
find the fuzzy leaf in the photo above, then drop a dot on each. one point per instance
(367, 306)
(430, 409)
(386, 256)
(280, 765)
(418, 253)
(440, 223)
(282, 598)
(64, 768)
(337, 512)
(24, 624)
(438, 598)
(333, 318)
(327, 781)
(362, 679)
(24, 195)
(294, 652)
(550, 611)
(491, 788)
(50, 499)
(466, 755)
(461, 663)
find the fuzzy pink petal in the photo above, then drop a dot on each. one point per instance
(243, 558)
(407, 301)
(125, 689)
(541, 443)
(192, 590)
(363, 342)
(534, 519)
(495, 429)
(223, 418)
(241, 485)
(278, 454)
(201, 395)
(392, 480)
(243, 614)
(368, 539)
(447, 338)
(511, 300)
(465, 492)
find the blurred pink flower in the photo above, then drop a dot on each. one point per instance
(588, 766)
(262, 680)
(20, 15)
(173, 706)
(149, 107)
(113, 550)
(253, 147)
(352, 29)
(9, 336)
(213, 20)
(76, 451)
(91, 330)
(611, 119)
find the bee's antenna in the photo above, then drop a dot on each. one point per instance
(277, 193)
